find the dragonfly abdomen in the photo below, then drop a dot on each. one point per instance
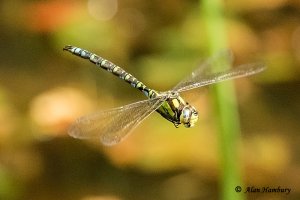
(112, 68)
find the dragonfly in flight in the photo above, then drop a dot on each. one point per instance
(113, 125)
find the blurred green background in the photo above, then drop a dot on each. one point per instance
(43, 90)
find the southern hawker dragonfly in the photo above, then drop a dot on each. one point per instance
(113, 125)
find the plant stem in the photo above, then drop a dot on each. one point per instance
(224, 103)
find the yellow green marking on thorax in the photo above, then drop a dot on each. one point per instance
(171, 109)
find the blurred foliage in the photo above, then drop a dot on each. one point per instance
(43, 89)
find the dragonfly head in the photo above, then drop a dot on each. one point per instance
(189, 116)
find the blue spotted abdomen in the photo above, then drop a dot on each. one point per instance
(114, 69)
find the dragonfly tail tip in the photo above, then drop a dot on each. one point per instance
(67, 47)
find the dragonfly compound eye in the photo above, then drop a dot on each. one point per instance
(189, 116)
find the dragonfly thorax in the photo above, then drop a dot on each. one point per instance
(178, 111)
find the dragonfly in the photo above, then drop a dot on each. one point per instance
(114, 125)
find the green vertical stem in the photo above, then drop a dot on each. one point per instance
(224, 103)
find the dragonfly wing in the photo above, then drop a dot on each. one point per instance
(205, 76)
(113, 125)
(223, 58)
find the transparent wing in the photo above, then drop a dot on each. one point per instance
(204, 75)
(113, 125)
(223, 58)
